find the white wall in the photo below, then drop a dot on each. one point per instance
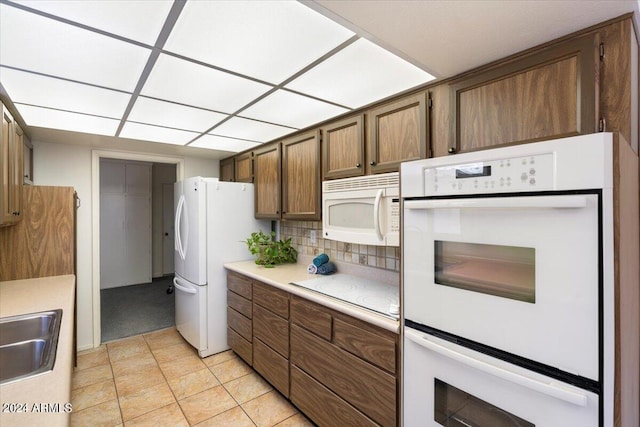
(70, 165)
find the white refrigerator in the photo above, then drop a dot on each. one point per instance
(212, 220)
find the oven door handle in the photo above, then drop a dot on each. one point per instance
(549, 202)
(547, 388)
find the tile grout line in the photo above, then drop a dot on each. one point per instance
(166, 381)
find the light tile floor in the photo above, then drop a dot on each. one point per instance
(157, 379)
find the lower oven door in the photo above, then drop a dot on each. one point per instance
(449, 385)
(518, 274)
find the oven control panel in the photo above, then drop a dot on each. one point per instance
(515, 174)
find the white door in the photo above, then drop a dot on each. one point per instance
(125, 223)
(518, 274)
(168, 229)
(446, 384)
(191, 312)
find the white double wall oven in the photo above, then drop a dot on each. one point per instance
(508, 286)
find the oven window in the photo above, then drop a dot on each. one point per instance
(456, 408)
(504, 271)
(351, 215)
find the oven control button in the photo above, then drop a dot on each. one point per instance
(532, 181)
(524, 176)
(532, 171)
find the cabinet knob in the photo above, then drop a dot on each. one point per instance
(358, 165)
(451, 150)
(372, 163)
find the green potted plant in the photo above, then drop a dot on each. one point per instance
(268, 251)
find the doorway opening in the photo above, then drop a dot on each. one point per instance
(133, 243)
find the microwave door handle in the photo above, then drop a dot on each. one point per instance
(376, 214)
(536, 202)
(547, 388)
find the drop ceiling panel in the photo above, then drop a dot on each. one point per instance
(34, 43)
(267, 40)
(154, 112)
(292, 110)
(54, 119)
(139, 20)
(43, 91)
(360, 74)
(250, 129)
(215, 142)
(188, 83)
(156, 134)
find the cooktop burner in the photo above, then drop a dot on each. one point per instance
(379, 297)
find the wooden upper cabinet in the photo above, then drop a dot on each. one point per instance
(227, 169)
(266, 179)
(244, 167)
(11, 147)
(343, 148)
(397, 132)
(548, 94)
(301, 177)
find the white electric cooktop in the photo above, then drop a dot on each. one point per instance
(379, 297)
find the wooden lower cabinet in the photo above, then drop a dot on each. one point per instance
(336, 358)
(320, 404)
(271, 335)
(367, 388)
(240, 346)
(239, 314)
(336, 369)
(272, 366)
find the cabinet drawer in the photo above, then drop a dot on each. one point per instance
(271, 329)
(321, 404)
(272, 366)
(276, 300)
(239, 304)
(239, 323)
(369, 389)
(241, 346)
(367, 344)
(312, 317)
(239, 284)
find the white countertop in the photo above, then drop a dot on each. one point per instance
(49, 390)
(283, 275)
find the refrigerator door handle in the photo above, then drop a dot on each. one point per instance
(182, 288)
(178, 220)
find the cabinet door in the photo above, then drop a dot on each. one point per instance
(301, 177)
(227, 170)
(546, 95)
(10, 169)
(16, 170)
(6, 214)
(397, 132)
(267, 182)
(343, 148)
(243, 165)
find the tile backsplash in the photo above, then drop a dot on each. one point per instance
(386, 257)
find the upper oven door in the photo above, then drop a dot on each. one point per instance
(519, 274)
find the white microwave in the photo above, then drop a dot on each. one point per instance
(363, 210)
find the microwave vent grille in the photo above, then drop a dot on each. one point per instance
(363, 183)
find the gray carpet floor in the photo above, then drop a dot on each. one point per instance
(136, 309)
